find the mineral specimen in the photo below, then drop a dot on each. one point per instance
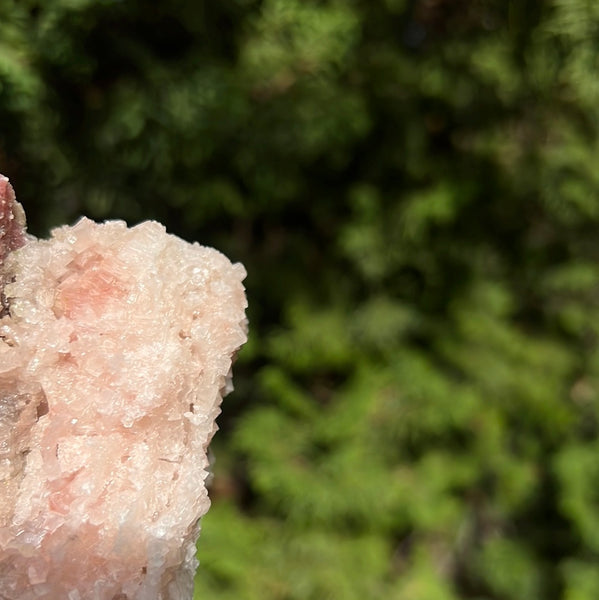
(116, 347)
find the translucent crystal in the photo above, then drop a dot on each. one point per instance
(116, 347)
(12, 220)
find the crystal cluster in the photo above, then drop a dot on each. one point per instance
(116, 347)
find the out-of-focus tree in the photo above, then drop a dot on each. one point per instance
(413, 188)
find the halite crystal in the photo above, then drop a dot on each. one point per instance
(115, 350)
(12, 220)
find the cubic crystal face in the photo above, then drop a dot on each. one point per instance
(116, 347)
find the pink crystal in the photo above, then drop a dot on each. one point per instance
(12, 229)
(116, 347)
(12, 220)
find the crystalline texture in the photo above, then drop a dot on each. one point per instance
(115, 350)
(12, 220)
(12, 230)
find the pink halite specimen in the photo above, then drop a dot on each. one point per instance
(115, 351)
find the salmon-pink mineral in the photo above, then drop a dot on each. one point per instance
(115, 351)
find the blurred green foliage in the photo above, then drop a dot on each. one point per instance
(413, 188)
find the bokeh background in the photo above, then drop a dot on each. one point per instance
(413, 187)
